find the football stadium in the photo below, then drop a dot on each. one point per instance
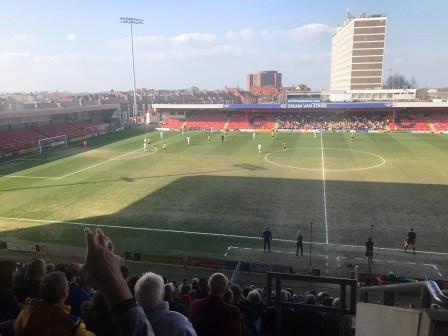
(271, 211)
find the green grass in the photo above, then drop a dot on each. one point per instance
(230, 189)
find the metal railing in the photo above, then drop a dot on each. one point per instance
(427, 292)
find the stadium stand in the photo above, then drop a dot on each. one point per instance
(213, 306)
(310, 121)
(440, 122)
(23, 138)
(90, 127)
(421, 122)
(206, 121)
(262, 121)
(414, 122)
(311, 312)
(172, 123)
(238, 121)
(18, 139)
(54, 130)
(332, 122)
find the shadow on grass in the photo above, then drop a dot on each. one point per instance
(234, 210)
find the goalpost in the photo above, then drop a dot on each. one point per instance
(50, 143)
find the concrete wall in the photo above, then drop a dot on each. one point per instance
(374, 320)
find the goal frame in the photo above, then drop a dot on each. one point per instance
(63, 140)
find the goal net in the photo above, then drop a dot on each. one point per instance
(46, 144)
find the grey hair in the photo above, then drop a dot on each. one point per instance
(254, 297)
(218, 284)
(149, 290)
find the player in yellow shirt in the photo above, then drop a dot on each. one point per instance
(164, 147)
(272, 133)
(209, 138)
(285, 146)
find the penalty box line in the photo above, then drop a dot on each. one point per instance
(115, 158)
(326, 256)
(72, 173)
(197, 233)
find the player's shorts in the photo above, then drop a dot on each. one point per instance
(409, 242)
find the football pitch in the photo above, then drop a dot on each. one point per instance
(207, 197)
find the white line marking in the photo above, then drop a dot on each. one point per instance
(115, 158)
(324, 187)
(379, 157)
(139, 155)
(97, 164)
(31, 177)
(136, 228)
(433, 266)
(228, 249)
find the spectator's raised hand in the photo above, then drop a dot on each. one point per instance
(103, 267)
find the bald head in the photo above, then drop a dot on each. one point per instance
(218, 284)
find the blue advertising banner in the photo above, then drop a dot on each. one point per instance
(310, 106)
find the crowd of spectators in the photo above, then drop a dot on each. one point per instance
(102, 298)
(332, 122)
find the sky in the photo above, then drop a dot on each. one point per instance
(80, 45)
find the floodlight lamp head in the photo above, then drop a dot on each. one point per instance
(131, 20)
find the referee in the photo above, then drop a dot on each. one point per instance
(299, 243)
(266, 236)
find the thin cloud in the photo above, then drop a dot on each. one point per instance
(166, 40)
(186, 38)
(192, 53)
(13, 55)
(71, 37)
(178, 47)
(245, 34)
(23, 37)
(309, 31)
(301, 33)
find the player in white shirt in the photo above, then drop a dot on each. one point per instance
(145, 146)
(259, 148)
(315, 133)
(161, 135)
(253, 135)
(188, 140)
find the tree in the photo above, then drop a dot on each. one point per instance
(399, 81)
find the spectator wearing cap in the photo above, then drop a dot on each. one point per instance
(149, 293)
(211, 316)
